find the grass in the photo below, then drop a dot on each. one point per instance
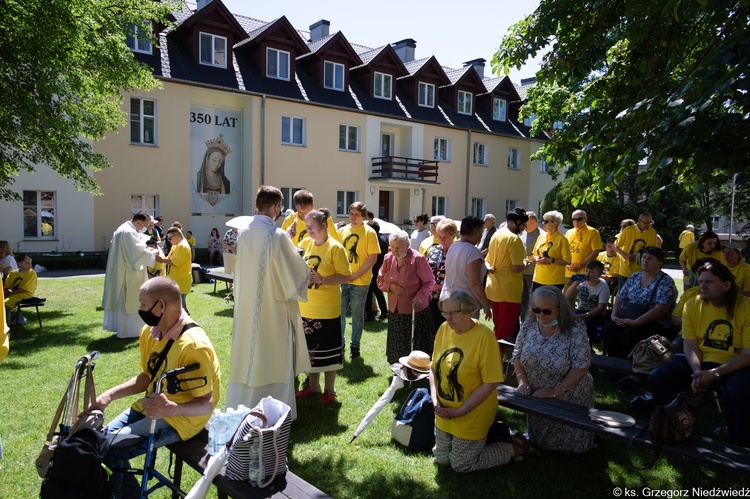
(40, 363)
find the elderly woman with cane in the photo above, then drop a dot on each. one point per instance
(407, 278)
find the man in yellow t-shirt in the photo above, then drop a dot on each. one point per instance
(361, 244)
(631, 241)
(180, 268)
(687, 236)
(585, 244)
(740, 270)
(191, 242)
(294, 223)
(716, 332)
(506, 259)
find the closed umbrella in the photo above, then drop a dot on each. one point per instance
(240, 222)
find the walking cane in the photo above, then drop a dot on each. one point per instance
(413, 315)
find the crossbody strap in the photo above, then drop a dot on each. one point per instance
(163, 354)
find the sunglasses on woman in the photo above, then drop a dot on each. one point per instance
(543, 311)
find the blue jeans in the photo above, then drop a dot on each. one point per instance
(356, 297)
(132, 422)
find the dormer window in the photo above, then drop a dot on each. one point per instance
(213, 50)
(137, 40)
(333, 76)
(426, 94)
(499, 109)
(464, 102)
(277, 64)
(383, 85)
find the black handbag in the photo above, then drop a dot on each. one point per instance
(630, 310)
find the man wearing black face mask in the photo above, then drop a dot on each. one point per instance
(170, 339)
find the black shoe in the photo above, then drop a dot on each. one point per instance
(383, 316)
(354, 352)
(369, 318)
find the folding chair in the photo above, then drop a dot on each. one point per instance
(29, 303)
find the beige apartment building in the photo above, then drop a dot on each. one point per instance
(245, 102)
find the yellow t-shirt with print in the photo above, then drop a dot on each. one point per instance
(462, 363)
(426, 245)
(719, 338)
(359, 244)
(686, 238)
(609, 262)
(505, 250)
(181, 270)
(324, 300)
(692, 254)
(556, 246)
(23, 280)
(742, 276)
(631, 240)
(686, 295)
(302, 228)
(582, 243)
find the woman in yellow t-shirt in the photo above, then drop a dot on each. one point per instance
(552, 253)
(707, 246)
(687, 236)
(321, 314)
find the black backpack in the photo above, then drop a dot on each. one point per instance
(76, 470)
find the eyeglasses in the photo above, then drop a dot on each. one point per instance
(545, 221)
(450, 313)
(543, 311)
(579, 219)
(623, 226)
(433, 223)
(651, 222)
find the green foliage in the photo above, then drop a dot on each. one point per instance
(660, 84)
(63, 67)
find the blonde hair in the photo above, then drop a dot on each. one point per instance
(555, 215)
(448, 226)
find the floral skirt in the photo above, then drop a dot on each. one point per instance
(324, 344)
(398, 343)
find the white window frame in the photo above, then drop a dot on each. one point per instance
(336, 67)
(383, 86)
(275, 55)
(140, 202)
(716, 222)
(212, 39)
(429, 95)
(478, 207)
(543, 166)
(514, 158)
(287, 126)
(481, 154)
(529, 121)
(140, 118)
(347, 144)
(288, 194)
(343, 200)
(465, 101)
(442, 149)
(439, 205)
(33, 213)
(137, 41)
(499, 109)
(511, 204)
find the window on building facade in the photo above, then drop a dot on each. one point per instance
(442, 149)
(716, 223)
(137, 40)
(499, 109)
(213, 50)
(478, 207)
(292, 130)
(333, 75)
(348, 138)
(277, 64)
(511, 204)
(514, 159)
(530, 120)
(343, 200)
(464, 102)
(288, 193)
(142, 121)
(440, 205)
(147, 203)
(543, 166)
(39, 210)
(480, 154)
(383, 85)
(426, 94)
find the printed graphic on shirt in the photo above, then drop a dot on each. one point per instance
(719, 335)
(350, 243)
(313, 261)
(447, 375)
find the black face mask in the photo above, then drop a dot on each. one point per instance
(149, 317)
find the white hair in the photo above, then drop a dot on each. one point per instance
(399, 236)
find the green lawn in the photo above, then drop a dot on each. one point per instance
(40, 363)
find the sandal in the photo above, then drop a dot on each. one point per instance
(229, 297)
(521, 445)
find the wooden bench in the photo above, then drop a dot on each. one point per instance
(219, 276)
(194, 453)
(32, 302)
(700, 450)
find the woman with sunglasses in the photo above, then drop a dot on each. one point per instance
(551, 253)
(422, 221)
(551, 360)
(464, 375)
(446, 234)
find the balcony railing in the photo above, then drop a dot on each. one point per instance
(397, 167)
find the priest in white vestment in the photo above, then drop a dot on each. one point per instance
(126, 272)
(268, 341)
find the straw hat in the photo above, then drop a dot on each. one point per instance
(417, 360)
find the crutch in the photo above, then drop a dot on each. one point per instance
(84, 367)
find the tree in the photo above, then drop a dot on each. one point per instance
(63, 67)
(661, 87)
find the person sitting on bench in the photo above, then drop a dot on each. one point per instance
(169, 340)
(716, 336)
(19, 285)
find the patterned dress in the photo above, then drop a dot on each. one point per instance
(546, 362)
(436, 260)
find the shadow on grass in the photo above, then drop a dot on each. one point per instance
(356, 371)
(315, 420)
(26, 341)
(112, 344)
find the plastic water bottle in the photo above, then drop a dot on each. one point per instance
(216, 432)
(254, 471)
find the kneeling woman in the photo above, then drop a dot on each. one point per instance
(466, 370)
(329, 267)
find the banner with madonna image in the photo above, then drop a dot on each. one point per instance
(215, 160)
